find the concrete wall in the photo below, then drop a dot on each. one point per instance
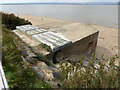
(83, 47)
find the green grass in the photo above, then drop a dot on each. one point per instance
(43, 58)
(45, 46)
(18, 75)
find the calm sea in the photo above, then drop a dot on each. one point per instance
(105, 15)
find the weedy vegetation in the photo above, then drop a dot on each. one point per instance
(45, 46)
(102, 75)
(18, 75)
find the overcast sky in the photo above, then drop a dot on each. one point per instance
(31, 1)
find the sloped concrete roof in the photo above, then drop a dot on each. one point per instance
(55, 40)
(74, 31)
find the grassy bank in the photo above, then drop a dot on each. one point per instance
(18, 75)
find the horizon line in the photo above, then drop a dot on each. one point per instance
(80, 3)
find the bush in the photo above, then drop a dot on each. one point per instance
(11, 21)
(74, 75)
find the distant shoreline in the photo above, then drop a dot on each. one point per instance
(32, 15)
(88, 3)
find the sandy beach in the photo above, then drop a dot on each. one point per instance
(107, 39)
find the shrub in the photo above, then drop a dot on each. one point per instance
(11, 21)
(99, 75)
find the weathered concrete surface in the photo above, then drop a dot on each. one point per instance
(80, 34)
(54, 40)
(75, 31)
(47, 73)
(84, 40)
(30, 41)
(27, 39)
(81, 48)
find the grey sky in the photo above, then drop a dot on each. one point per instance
(31, 1)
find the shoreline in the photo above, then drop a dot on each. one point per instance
(107, 39)
(23, 15)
